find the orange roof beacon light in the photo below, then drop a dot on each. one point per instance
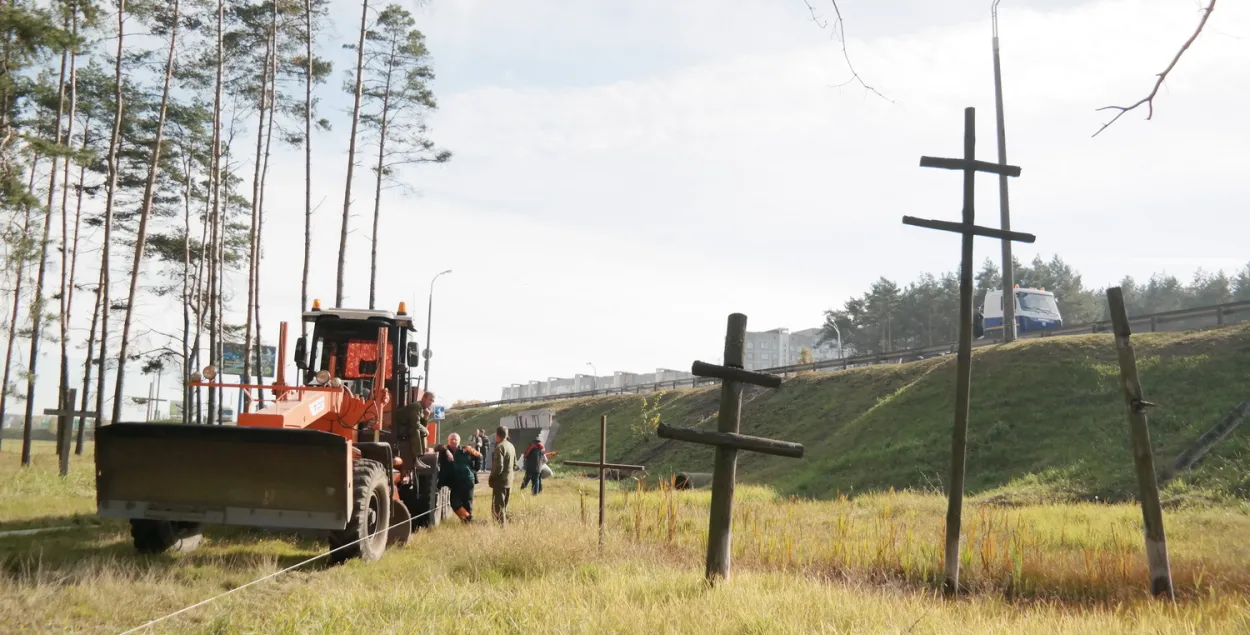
(403, 308)
(1017, 285)
(316, 305)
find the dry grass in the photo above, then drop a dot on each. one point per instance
(847, 566)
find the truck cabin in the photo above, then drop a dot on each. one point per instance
(344, 342)
(1036, 310)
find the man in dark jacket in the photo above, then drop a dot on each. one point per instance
(503, 459)
(456, 474)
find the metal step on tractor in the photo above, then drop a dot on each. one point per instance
(321, 455)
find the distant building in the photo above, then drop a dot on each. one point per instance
(780, 347)
(764, 349)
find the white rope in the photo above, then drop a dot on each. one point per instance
(277, 573)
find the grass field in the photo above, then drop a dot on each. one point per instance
(1047, 422)
(864, 565)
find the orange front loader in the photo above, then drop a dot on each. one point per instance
(321, 455)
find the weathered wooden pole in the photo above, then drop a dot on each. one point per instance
(725, 468)
(603, 460)
(963, 362)
(1143, 454)
(969, 165)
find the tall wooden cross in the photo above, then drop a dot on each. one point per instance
(727, 441)
(967, 229)
(65, 425)
(603, 466)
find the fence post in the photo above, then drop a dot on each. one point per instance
(1219, 315)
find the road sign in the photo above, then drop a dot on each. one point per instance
(232, 359)
(439, 413)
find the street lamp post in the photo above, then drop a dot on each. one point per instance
(429, 317)
(594, 378)
(837, 330)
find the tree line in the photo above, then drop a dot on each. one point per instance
(889, 317)
(135, 146)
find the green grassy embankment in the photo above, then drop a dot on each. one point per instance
(1047, 422)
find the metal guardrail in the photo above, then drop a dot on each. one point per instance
(1219, 315)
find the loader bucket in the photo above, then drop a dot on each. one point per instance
(257, 477)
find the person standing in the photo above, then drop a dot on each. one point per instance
(535, 458)
(409, 423)
(500, 480)
(456, 473)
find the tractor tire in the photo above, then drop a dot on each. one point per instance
(401, 531)
(365, 534)
(162, 536)
(424, 512)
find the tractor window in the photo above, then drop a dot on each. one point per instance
(362, 359)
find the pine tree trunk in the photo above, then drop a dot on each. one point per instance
(20, 275)
(73, 276)
(215, 184)
(145, 213)
(264, 176)
(254, 234)
(37, 304)
(351, 151)
(86, 373)
(187, 192)
(379, 169)
(308, 84)
(67, 281)
(110, 197)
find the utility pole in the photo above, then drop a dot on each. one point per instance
(1009, 293)
(429, 317)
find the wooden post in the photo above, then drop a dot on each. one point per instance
(963, 373)
(65, 425)
(969, 165)
(603, 459)
(603, 466)
(1143, 454)
(728, 442)
(725, 467)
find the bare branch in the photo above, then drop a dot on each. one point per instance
(1149, 100)
(840, 34)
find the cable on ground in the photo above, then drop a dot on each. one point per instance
(277, 573)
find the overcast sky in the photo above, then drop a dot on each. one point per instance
(627, 174)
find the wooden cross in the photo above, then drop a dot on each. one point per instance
(727, 441)
(65, 425)
(968, 229)
(603, 466)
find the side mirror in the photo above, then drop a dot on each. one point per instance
(414, 355)
(301, 353)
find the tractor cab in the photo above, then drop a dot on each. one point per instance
(343, 351)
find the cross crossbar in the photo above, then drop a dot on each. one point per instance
(731, 440)
(731, 373)
(69, 413)
(964, 164)
(977, 230)
(608, 466)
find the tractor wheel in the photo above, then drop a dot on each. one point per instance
(426, 500)
(365, 534)
(161, 536)
(401, 532)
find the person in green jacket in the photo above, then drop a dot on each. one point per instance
(503, 461)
